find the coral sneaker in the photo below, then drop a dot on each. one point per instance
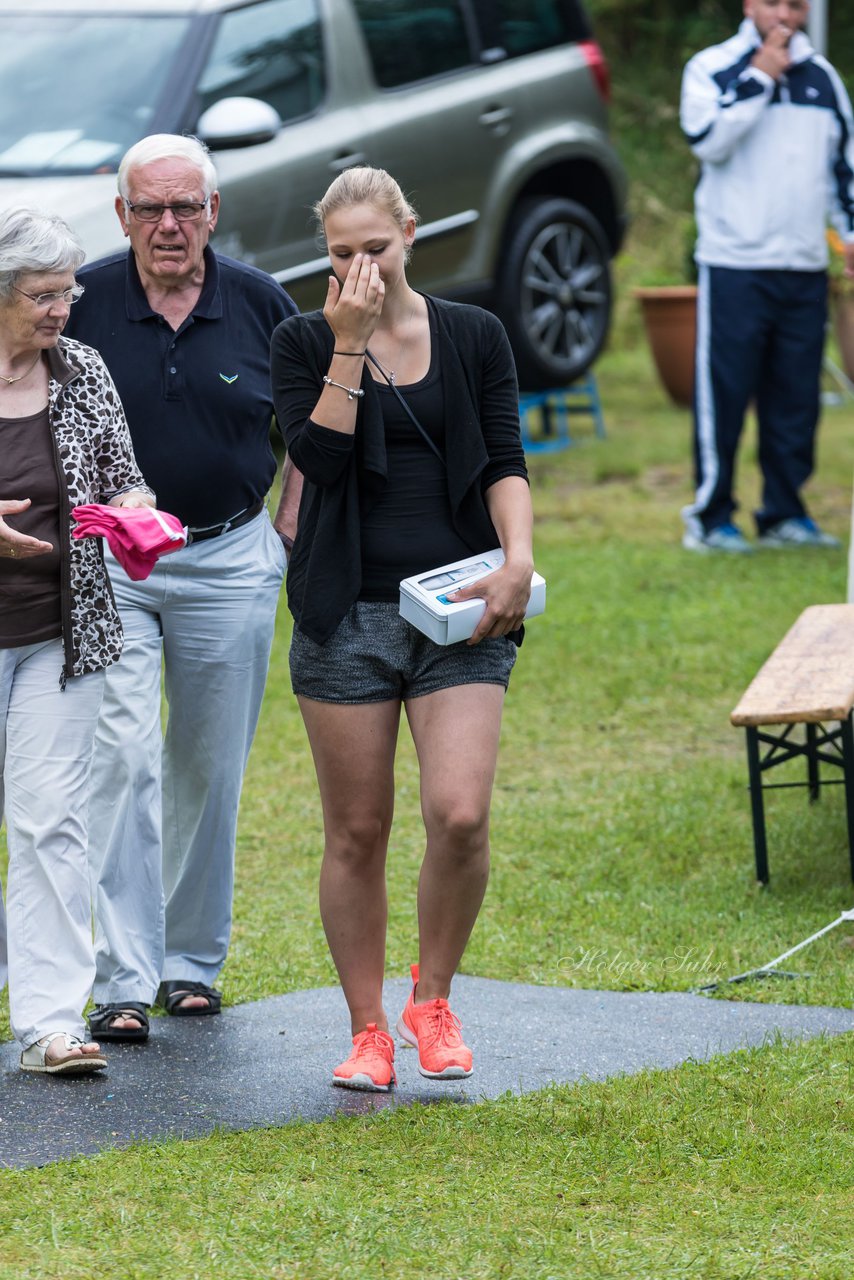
(435, 1032)
(371, 1064)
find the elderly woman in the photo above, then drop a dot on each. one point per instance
(63, 442)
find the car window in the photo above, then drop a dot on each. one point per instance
(76, 91)
(409, 42)
(518, 27)
(272, 51)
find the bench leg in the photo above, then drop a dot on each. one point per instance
(813, 778)
(754, 772)
(848, 774)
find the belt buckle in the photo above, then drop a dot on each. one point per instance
(217, 530)
(206, 531)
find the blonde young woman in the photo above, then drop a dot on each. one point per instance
(385, 498)
(63, 442)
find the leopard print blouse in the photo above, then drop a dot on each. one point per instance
(95, 463)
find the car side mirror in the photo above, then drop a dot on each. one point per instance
(238, 122)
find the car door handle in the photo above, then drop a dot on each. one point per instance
(497, 118)
(340, 163)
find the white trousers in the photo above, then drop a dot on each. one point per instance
(46, 739)
(163, 812)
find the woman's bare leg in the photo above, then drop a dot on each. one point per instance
(456, 733)
(353, 749)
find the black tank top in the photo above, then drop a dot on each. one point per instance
(409, 529)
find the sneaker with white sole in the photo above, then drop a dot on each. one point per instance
(797, 531)
(727, 538)
(371, 1064)
(435, 1032)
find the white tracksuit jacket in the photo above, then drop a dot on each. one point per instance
(777, 156)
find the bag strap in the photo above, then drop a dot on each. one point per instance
(408, 411)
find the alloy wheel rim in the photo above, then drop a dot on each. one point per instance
(564, 295)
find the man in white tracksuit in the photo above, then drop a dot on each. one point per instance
(771, 122)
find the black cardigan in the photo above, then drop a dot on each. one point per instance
(345, 473)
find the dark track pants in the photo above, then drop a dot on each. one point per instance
(760, 336)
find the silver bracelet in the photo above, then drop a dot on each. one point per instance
(352, 392)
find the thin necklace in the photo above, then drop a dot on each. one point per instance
(21, 376)
(391, 374)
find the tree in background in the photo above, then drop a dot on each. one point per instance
(662, 29)
(675, 29)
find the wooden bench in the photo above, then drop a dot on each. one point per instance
(809, 681)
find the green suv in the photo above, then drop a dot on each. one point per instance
(490, 113)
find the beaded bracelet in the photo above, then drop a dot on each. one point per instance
(352, 392)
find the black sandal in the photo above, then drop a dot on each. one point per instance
(171, 993)
(103, 1016)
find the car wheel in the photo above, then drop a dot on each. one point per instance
(554, 292)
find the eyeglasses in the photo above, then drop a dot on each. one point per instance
(68, 296)
(186, 211)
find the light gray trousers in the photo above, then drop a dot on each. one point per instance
(46, 737)
(163, 811)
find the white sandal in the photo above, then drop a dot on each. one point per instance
(33, 1058)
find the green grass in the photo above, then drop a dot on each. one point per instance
(622, 859)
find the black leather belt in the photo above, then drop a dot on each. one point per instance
(214, 530)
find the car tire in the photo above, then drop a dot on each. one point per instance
(554, 291)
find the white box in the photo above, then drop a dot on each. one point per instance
(424, 603)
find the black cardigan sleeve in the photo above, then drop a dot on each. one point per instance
(297, 361)
(499, 407)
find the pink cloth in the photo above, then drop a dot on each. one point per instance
(137, 536)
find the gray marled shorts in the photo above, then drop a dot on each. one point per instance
(376, 656)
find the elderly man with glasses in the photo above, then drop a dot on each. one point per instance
(186, 336)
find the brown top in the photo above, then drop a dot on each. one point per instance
(30, 587)
(809, 677)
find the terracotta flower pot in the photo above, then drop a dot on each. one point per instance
(670, 316)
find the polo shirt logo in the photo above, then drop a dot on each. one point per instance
(233, 378)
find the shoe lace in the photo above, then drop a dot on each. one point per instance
(442, 1026)
(371, 1044)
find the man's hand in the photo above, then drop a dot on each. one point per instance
(773, 55)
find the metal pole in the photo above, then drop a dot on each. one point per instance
(768, 970)
(817, 25)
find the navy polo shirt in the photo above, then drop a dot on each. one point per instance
(198, 401)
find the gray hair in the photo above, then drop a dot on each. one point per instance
(34, 241)
(168, 146)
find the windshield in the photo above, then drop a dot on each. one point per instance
(76, 92)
